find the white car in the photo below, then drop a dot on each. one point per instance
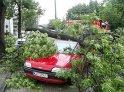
(20, 41)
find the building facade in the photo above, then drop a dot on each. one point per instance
(8, 26)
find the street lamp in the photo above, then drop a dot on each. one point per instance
(55, 9)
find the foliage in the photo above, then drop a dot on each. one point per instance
(94, 6)
(109, 10)
(77, 30)
(12, 6)
(77, 11)
(11, 53)
(9, 10)
(38, 45)
(104, 53)
(119, 30)
(26, 12)
(73, 30)
(77, 75)
(113, 12)
(110, 63)
(10, 40)
(56, 24)
(16, 82)
(30, 16)
(89, 18)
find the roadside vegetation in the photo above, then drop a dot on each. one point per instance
(103, 52)
(36, 46)
(104, 71)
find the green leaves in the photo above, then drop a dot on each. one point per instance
(38, 45)
(105, 54)
(56, 24)
(111, 13)
(30, 10)
(107, 86)
(115, 85)
(76, 12)
(20, 80)
(10, 40)
(86, 83)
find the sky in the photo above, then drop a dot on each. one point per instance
(62, 7)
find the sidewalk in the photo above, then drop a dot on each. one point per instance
(2, 83)
(19, 90)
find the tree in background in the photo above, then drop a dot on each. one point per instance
(10, 7)
(108, 10)
(89, 18)
(94, 6)
(56, 24)
(30, 16)
(26, 10)
(75, 12)
(113, 12)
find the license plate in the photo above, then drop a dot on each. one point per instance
(40, 74)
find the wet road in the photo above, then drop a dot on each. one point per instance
(47, 88)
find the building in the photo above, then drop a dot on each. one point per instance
(11, 25)
(15, 25)
(8, 26)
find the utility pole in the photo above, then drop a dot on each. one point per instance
(55, 9)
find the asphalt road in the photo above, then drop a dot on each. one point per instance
(47, 88)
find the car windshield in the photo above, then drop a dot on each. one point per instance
(63, 46)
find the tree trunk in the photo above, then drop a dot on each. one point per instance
(19, 19)
(56, 35)
(63, 36)
(2, 19)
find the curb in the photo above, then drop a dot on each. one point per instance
(3, 87)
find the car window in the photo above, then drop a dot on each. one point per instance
(63, 46)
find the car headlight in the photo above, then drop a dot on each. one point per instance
(57, 69)
(27, 64)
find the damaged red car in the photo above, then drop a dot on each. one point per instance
(45, 69)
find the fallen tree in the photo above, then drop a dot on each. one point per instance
(64, 36)
(57, 35)
(53, 34)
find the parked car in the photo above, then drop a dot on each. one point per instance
(20, 41)
(45, 69)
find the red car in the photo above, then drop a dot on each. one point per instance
(45, 69)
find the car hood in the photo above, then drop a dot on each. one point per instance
(56, 60)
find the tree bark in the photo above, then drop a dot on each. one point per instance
(2, 19)
(19, 19)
